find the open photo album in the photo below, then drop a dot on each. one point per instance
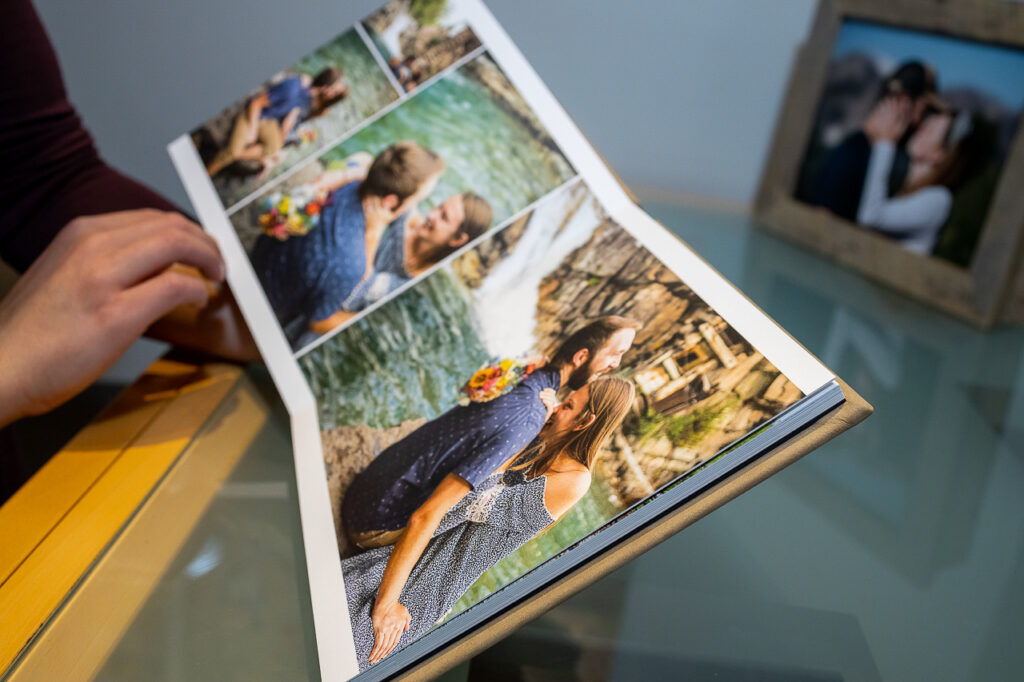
(498, 368)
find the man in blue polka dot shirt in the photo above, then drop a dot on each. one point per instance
(307, 278)
(472, 441)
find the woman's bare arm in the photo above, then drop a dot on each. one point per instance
(391, 619)
(564, 490)
(289, 122)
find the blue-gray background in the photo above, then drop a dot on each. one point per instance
(678, 96)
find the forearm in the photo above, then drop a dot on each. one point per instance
(407, 552)
(331, 323)
(918, 213)
(372, 242)
(333, 179)
(289, 123)
(873, 197)
(254, 111)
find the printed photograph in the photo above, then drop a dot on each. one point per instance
(464, 154)
(911, 134)
(294, 115)
(420, 38)
(517, 399)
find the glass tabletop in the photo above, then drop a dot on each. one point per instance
(894, 552)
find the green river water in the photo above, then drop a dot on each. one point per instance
(407, 359)
(485, 148)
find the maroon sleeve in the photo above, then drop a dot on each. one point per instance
(50, 172)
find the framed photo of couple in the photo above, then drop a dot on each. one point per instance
(899, 150)
(504, 379)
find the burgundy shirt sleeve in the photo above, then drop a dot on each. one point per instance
(50, 171)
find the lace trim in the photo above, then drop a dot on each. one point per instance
(478, 509)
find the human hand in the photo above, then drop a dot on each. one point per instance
(390, 620)
(378, 217)
(217, 328)
(102, 281)
(888, 120)
(550, 400)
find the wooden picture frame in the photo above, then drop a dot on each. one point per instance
(977, 293)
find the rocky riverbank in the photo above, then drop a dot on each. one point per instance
(350, 449)
(612, 274)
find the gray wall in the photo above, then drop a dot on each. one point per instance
(678, 96)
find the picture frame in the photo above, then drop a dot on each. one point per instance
(977, 293)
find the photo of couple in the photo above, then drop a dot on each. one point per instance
(295, 114)
(347, 229)
(911, 134)
(515, 400)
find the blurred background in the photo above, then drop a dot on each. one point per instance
(895, 552)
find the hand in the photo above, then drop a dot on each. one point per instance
(888, 120)
(389, 622)
(550, 400)
(217, 328)
(378, 217)
(101, 282)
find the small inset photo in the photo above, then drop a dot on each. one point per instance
(420, 38)
(292, 116)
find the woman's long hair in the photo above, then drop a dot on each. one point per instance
(609, 400)
(327, 76)
(968, 144)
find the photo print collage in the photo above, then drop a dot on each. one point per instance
(693, 385)
(505, 356)
(423, 147)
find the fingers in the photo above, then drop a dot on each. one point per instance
(150, 300)
(133, 245)
(385, 641)
(392, 641)
(111, 221)
(378, 645)
(154, 246)
(377, 636)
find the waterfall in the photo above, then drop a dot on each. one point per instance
(506, 301)
(390, 36)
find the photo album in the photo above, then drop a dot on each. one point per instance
(503, 377)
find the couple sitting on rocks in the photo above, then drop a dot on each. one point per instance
(369, 240)
(269, 120)
(439, 507)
